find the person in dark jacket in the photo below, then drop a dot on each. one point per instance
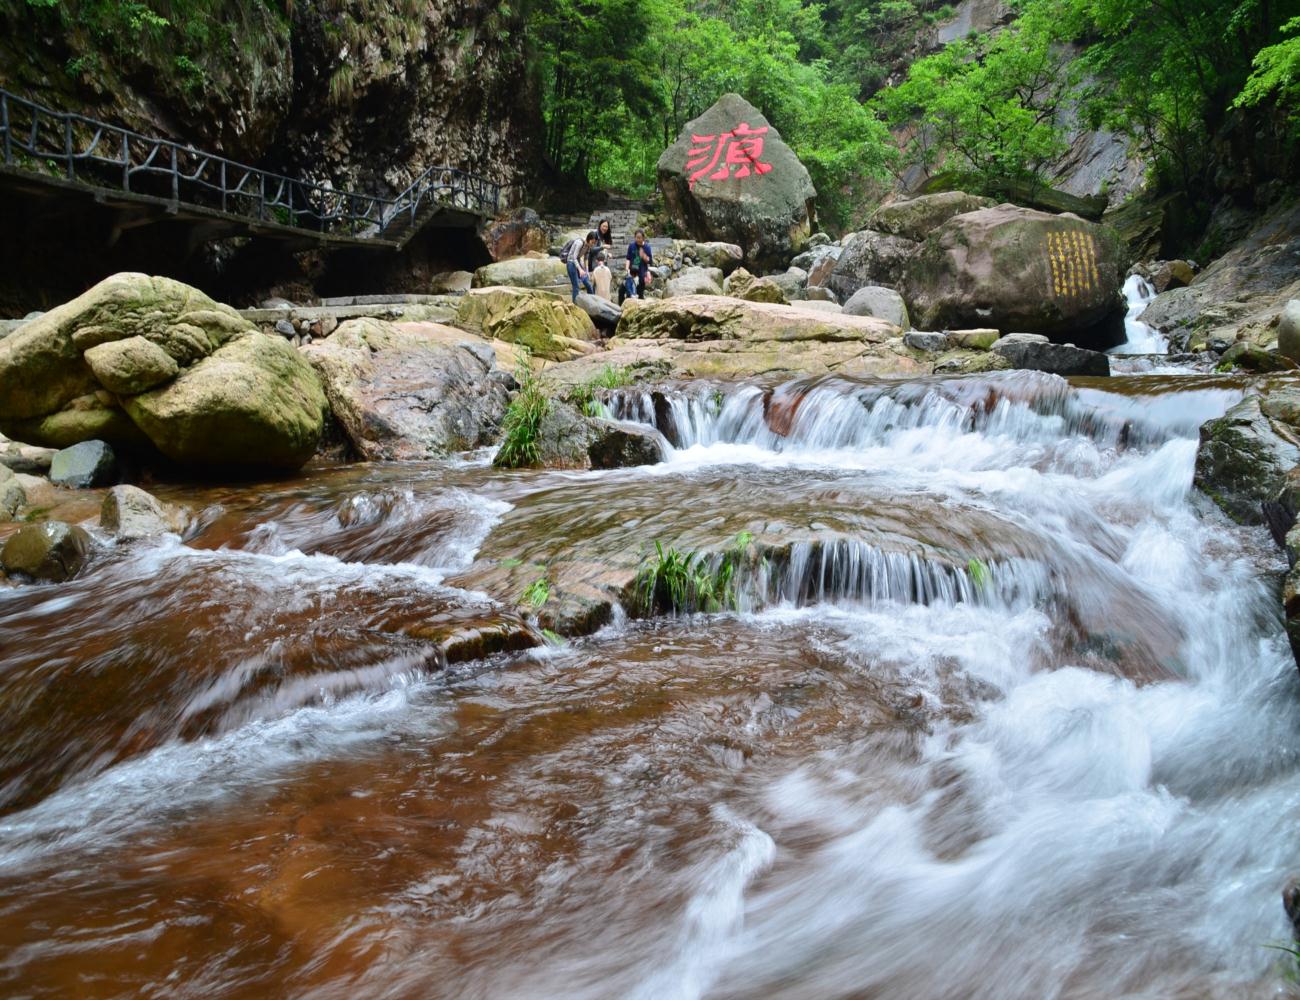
(640, 258)
(574, 254)
(604, 238)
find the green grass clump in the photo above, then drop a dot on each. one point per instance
(537, 593)
(522, 424)
(609, 377)
(677, 582)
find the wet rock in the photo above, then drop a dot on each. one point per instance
(84, 465)
(130, 513)
(411, 391)
(883, 303)
(523, 272)
(931, 343)
(1245, 455)
(550, 327)
(871, 258)
(1016, 269)
(695, 281)
(12, 495)
(752, 192)
(1288, 330)
(1291, 904)
(517, 234)
(239, 397)
(618, 445)
(1056, 359)
(286, 329)
(26, 457)
(39, 490)
(1250, 358)
(743, 285)
(916, 218)
(51, 550)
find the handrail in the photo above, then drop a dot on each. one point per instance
(31, 131)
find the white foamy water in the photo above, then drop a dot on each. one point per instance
(1141, 339)
(1064, 769)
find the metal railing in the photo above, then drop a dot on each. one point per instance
(94, 153)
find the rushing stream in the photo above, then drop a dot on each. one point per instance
(1012, 716)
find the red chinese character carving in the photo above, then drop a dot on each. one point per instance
(741, 148)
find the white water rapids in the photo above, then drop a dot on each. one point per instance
(1077, 781)
(1139, 337)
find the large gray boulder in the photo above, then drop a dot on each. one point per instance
(603, 313)
(917, 218)
(411, 391)
(50, 550)
(695, 281)
(1245, 456)
(883, 303)
(1016, 269)
(522, 272)
(731, 178)
(870, 258)
(143, 362)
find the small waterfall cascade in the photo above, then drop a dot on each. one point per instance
(1141, 339)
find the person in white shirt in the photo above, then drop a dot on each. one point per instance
(603, 278)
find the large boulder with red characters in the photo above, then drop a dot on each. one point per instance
(731, 178)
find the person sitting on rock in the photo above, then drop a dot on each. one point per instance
(640, 258)
(574, 255)
(603, 278)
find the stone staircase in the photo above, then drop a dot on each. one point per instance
(622, 223)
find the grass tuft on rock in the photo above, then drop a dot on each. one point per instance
(678, 582)
(522, 423)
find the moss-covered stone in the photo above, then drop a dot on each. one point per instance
(131, 365)
(51, 550)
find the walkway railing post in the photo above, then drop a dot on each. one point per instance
(126, 162)
(67, 148)
(176, 180)
(4, 124)
(223, 185)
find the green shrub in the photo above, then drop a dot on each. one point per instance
(522, 423)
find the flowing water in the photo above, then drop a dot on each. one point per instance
(1008, 713)
(1139, 338)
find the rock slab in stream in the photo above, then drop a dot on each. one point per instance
(730, 178)
(50, 550)
(1016, 269)
(144, 362)
(568, 440)
(1056, 359)
(84, 465)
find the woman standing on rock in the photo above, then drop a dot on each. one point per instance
(575, 254)
(604, 238)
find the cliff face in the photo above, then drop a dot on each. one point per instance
(361, 93)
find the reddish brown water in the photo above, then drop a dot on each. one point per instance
(236, 767)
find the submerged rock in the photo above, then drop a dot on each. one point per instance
(50, 550)
(91, 463)
(731, 178)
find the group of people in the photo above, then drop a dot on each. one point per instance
(586, 261)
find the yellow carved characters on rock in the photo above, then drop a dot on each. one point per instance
(1072, 255)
